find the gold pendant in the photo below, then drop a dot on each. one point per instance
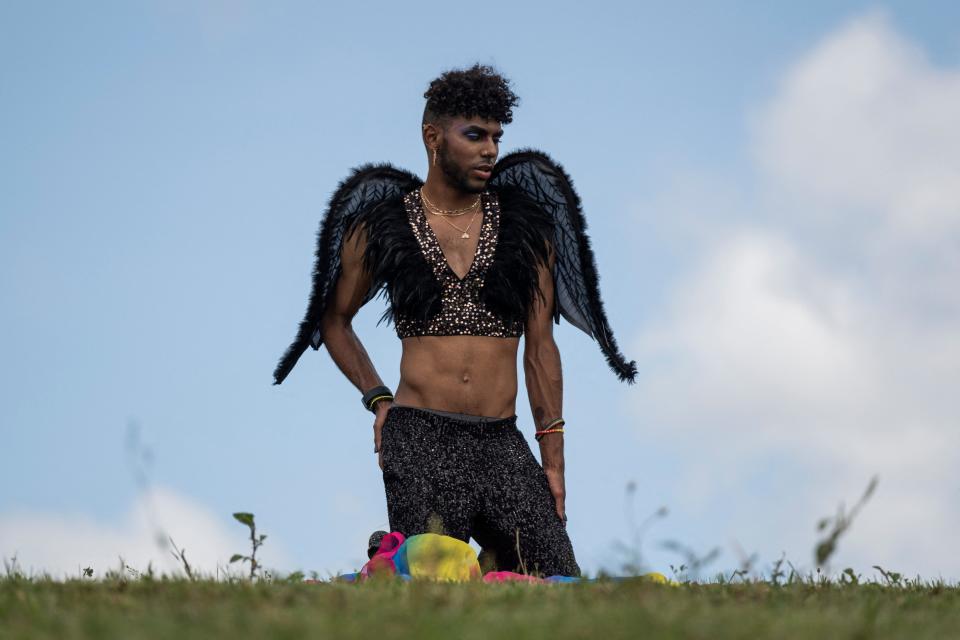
(465, 235)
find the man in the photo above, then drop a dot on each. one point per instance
(473, 258)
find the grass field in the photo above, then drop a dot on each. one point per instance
(247, 601)
(178, 608)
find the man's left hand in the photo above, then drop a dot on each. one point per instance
(551, 453)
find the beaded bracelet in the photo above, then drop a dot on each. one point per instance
(553, 423)
(554, 426)
(540, 434)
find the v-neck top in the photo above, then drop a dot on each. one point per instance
(462, 313)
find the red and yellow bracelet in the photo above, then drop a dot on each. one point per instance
(555, 426)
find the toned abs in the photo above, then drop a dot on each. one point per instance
(464, 374)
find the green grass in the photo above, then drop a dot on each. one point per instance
(181, 609)
(130, 604)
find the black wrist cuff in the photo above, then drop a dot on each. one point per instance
(377, 393)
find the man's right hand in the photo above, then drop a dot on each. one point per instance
(381, 408)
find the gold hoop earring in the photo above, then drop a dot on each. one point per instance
(434, 156)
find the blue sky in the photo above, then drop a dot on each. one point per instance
(164, 166)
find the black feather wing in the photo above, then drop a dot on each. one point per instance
(575, 273)
(358, 195)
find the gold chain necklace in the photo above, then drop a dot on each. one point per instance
(463, 232)
(434, 209)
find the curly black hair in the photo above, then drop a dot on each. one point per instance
(477, 91)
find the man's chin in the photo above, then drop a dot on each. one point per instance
(474, 185)
(466, 182)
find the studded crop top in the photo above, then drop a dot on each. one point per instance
(532, 252)
(462, 312)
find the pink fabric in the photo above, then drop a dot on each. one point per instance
(382, 560)
(509, 576)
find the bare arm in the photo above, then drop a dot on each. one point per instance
(342, 343)
(544, 378)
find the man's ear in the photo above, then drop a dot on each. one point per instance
(432, 135)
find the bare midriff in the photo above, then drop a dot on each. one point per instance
(463, 374)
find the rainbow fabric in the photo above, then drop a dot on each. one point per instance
(428, 555)
(431, 556)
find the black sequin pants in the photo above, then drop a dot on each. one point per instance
(473, 478)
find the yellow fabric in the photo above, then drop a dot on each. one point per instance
(442, 558)
(660, 578)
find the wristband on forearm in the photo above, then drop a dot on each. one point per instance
(554, 426)
(377, 393)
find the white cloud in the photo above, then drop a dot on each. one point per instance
(63, 544)
(827, 330)
(866, 125)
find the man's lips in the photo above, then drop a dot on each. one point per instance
(483, 171)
